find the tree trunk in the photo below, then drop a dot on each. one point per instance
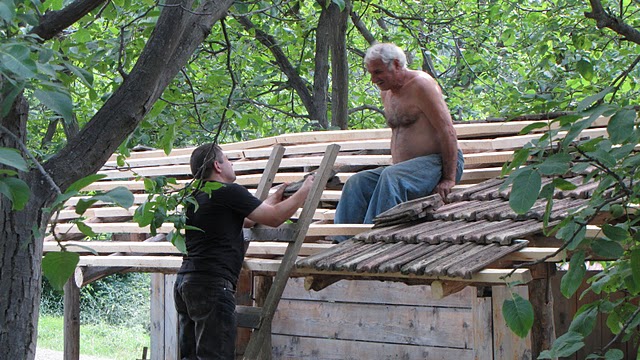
(178, 32)
(339, 67)
(20, 275)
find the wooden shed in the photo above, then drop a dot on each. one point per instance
(358, 299)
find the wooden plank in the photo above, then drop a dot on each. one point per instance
(506, 344)
(255, 249)
(488, 276)
(296, 348)
(71, 320)
(416, 325)
(482, 323)
(157, 317)
(377, 292)
(133, 228)
(171, 349)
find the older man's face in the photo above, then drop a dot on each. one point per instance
(381, 75)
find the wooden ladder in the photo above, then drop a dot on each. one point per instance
(259, 318)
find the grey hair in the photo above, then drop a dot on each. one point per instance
(386, 52)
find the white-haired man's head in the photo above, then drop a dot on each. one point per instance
(387, 53)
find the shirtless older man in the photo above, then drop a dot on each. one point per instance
(424, 146)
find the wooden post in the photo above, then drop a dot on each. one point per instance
(71, 320)
(157, 317)
(506, 344)
(482, 326)
(543, 333)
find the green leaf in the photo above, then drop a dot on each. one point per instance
(58, 101)
(13, 90)
(615, 322)
(565, 345)
(620, 126)
(508, 37)
(585, 321)
(83, 204)
(519, 157)
(572, 280)
(614, 354)
(84, 182)
(12, 157)
(177, 240)
(534, 126)
(85, 229)
(556, 164)
(16, 190)
(120, 196)
(607, 249)
(340, 3)
(635, 265)
(524, 191)
(615, 232)
(85, 76)
(585, 68)
(518, 314)
(167, 138)
(584, 104)
(563, 184)
(17, 59)
(7, 10)
(59, 266)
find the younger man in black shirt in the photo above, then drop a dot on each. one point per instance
(205, 287)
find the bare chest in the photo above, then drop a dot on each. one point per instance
(399, 112)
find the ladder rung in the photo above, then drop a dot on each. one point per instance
(248, 316)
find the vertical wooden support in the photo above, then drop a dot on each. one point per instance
(243, 297)
(164, 318)
(482, 327)
(171, 351)
(506, 344)
(71, 320)
(157, 316)
(260, 344)
(543, 333)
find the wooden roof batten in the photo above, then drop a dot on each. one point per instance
(486, 147)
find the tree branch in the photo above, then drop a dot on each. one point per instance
(53, 22)
(605, 20)
(296, 82)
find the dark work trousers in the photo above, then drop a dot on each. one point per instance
(206, 317)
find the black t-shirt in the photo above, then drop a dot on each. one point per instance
(218, 250)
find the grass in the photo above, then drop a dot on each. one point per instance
(103, 340)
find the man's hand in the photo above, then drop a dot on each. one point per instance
(444, 188)
(306, 185)
(277, 196)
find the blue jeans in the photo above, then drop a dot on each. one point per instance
(206, 318)
(372, 192)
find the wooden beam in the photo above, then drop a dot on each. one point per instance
(102, 247)
(319, 282)
(488, 276)
(132, 228)
(441, 289)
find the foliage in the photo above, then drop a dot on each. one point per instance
(118, 300)
(610, 162)
(503, 59)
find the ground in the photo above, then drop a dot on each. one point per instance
(44, 354)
